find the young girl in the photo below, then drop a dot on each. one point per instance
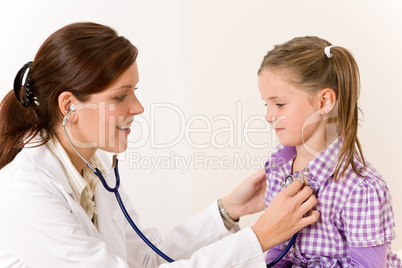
(311, 90)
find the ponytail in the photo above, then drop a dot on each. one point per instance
(348, 76)
(18, 125)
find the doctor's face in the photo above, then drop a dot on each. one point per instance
(105, 118)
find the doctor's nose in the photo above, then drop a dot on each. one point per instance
(136, 107)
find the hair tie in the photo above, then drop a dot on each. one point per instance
(28, 95)
(327, 51)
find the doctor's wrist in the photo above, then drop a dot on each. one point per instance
(229, 222)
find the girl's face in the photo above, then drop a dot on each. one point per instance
(104, 120)
(292, 112)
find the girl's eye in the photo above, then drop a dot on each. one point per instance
(121, 98)
(265, 104)
(280, 104)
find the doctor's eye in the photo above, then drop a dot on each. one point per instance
(265, 104)
(280, 104)
(121, 98)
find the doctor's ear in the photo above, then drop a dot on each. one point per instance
(327, 101)
(66, 103)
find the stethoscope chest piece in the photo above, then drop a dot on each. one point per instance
(291, 178)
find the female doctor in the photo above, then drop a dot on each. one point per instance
(54, 211)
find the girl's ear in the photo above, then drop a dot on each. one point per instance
(328, 100)
(66, 100)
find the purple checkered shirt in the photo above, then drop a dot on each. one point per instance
(355, 211)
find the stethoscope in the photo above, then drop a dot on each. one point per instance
(114, 189)
(288, 180)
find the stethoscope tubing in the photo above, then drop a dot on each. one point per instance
(123, 208)
(284, 252)
(114, 190)
(146, 240)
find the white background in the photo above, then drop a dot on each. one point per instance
(201, 57)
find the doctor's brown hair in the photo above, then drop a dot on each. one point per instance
(83, 58)
(307, 66)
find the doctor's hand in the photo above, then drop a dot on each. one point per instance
(284, 216)
(248, 197)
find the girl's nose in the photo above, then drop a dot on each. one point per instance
(270, 117)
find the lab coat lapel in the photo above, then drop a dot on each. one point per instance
(111, 221)
(50, 165)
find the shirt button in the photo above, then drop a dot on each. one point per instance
(273, 164)
(379, 241)
(306, 169)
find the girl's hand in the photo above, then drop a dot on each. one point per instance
(248, 197)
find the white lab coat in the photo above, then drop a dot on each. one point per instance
(42, 225)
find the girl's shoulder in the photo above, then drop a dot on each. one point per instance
(366, 175)
(368, 185)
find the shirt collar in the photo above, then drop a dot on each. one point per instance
(320, 168)
(283, 155)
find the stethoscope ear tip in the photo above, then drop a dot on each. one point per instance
(72, 107)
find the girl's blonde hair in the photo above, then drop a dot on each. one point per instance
(309, 68)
